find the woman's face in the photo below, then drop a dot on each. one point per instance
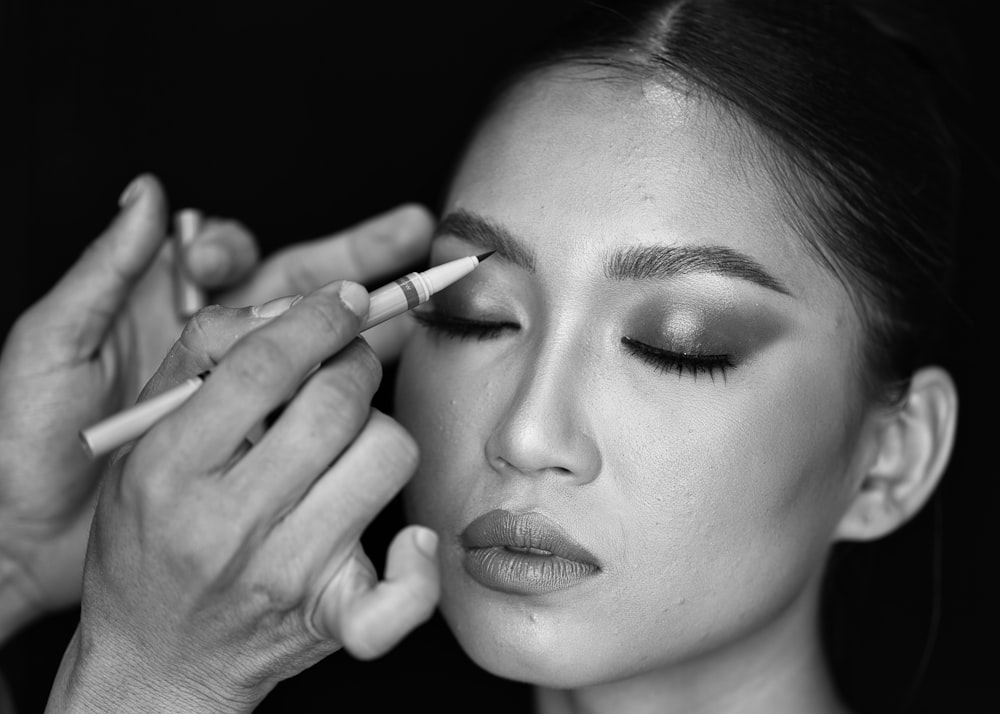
(639, 419)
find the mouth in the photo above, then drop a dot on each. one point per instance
(524, 554)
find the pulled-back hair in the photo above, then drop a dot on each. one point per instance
(844, 112)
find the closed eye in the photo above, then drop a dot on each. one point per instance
(461, 328)
(680, 363)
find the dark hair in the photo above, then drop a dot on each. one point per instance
(845, 104)
(844, 109)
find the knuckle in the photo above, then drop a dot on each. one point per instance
(133, 490)
(370, 361)
(257, 361)
(300, 273)
(350, 382)
(343, 396)
(218, 565)
(362, 360)
(25, 338)
(145, 484)
(208, 538)
(328, 316)
(194, 336)
(180, 363)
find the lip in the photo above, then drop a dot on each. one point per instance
(523, 554)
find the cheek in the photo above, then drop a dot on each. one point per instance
(736, 488)
(437, 406)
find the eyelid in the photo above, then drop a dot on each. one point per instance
(665, 360)
(449, 325)
(434, 314)
(446, 325)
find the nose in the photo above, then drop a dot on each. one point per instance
(543, 426)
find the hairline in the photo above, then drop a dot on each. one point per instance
(800, 191)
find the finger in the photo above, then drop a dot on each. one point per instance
(206, 338)
(324, 417)
(223, 253)
(371, 622)
(368, 474)
(387, 338)
(378, 248)
(261, 371)
(90, 295)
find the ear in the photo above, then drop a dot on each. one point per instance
(910, 445)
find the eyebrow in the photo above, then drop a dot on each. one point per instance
(487, 234)
(656, 262)
(661, 262)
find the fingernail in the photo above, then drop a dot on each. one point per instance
(355, 298)
(132, 192)
(426, 541)
(273, 308)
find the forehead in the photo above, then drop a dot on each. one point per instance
(581, 163)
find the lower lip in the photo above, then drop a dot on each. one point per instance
(524, 573)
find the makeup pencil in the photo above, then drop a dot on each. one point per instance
(386, 302)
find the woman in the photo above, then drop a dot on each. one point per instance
(723, 231)
(696, 370)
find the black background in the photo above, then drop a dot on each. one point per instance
(299, 118)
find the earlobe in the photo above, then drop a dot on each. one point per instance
(911, 448)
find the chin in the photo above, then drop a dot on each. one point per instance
(514, 639)
(522, 661)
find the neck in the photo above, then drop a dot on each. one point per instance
(778, 669)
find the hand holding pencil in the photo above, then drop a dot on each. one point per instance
(245, 564)
(87, 347)
(386, 302)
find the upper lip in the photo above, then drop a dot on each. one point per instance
(501, 528)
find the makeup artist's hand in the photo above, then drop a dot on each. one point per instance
(73, 357)
(215, 568)
(371, 252)
(87, 347)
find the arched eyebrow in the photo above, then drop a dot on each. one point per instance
(654, 262)
(662, 262)
(488, 234)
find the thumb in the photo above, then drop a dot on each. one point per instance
(373, 619)
(90, 295)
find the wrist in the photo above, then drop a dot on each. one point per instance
(92, 679)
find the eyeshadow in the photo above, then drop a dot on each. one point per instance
(709, 325)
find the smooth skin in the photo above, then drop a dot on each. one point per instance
(711, 497)
(87, 347)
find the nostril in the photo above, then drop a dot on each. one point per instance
(502, 465)
(541, 432)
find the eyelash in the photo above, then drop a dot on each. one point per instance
(461, 328)
(668, 361)
(665, 361)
